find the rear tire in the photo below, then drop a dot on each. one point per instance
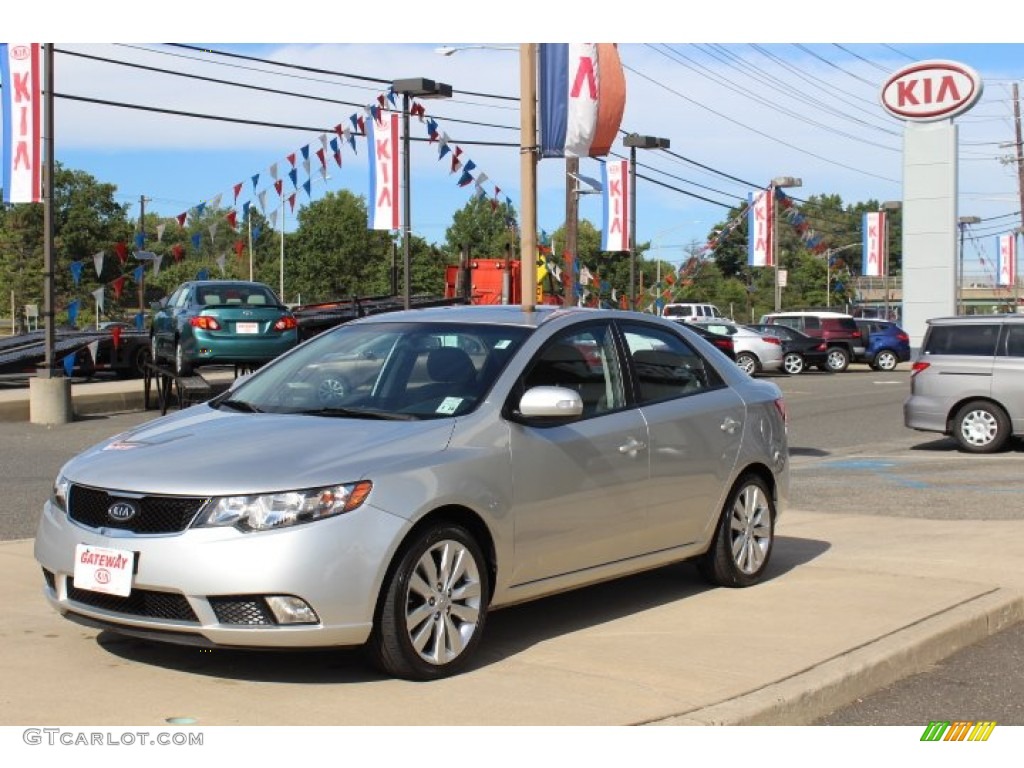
(747, 363)
(793, 363)
(886, 360)
(742, 545)
(182, 367)
(433, 607)
(981, 427)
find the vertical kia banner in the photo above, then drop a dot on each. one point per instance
(759, 230)
(582, 98)
(22, 104)
(873, 253)
(1006, 247)
(382, 141)
(615, 194)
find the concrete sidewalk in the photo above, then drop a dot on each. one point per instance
(852, 604)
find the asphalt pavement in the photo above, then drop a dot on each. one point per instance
(853, 603)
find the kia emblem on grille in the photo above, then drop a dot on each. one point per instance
(122, 511)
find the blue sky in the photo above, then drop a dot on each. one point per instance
(737, 113)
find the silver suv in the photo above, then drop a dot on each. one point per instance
(968, 381)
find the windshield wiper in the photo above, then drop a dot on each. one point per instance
(356, 413)
(239, 405)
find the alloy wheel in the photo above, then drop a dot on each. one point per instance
(750, 529)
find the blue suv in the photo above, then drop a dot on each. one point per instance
(886, 344)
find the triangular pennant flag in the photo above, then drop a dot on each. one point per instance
(220, 262)
(178, 250)
(293, 174)
(76, 271)
(239, 247)
(140, 241)
(465, 179)
(157, 260)
(232, 219)
(98, 295)
(69, 364)
(196, 240)
(138, 273)
(213, 233)
(256, 233)
(255, 181)
(322, 157)
(279, 187)
(305, 152)
(392, 96)
(291, 201)
(306, 185)
(238, 190)
(337, 158)
(245, 210)
(160, 232)
(140, 321)
(118, 287)
(273, 171)
(97, 260)
(203, 274)
(291, 159)
(73, 313)
(262, 197)
(181, 219)
(121, 250)
(115, 332)
(199, 209)
(351, 139)
(215, 202)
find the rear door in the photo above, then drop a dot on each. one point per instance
(1008, 374)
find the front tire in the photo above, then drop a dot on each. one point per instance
(434, 606)
(182, 366)
(837, 359)
(981, 427)
(742, 545)
(793, 363)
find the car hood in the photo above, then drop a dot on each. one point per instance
(203, 451)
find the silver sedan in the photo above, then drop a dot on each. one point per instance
(483, 456)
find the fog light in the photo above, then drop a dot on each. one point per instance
(292, 610)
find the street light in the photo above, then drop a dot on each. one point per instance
(448, 50)
(777, 183)
(887, 206)
(420, 88)
(964, 222)
(635, 141)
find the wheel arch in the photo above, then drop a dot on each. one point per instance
(454, 514)
(955, 409)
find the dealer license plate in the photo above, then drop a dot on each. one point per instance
(101, 569)
(247, 327)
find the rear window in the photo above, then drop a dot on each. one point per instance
(977, 340)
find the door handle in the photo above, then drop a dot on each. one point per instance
(632, 446)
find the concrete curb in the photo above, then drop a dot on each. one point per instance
(805, 697)
(82, 404)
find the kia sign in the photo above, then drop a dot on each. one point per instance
(931, 90)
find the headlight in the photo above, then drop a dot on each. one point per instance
(59, 495)
(276, 510)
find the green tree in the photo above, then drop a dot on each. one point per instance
(485, 229)
(333, 255)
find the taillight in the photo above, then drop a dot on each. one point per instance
(916, 368)
(903, 337)
(821, 347)
(204, 322)
(286, 323)
(780, 406)
(772, 340)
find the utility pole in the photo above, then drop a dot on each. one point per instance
(1020, 180)
(142, 229)
(572, 215)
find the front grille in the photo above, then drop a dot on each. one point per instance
(242, 609)
(157, 514)
(141, 602)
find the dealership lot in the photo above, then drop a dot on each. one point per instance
(884, 562)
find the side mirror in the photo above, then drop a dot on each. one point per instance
(559, 403)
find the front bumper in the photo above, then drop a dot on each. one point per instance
(206, 585)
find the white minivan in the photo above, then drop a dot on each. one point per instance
(690, 312)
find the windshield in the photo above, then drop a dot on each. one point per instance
(383, 370)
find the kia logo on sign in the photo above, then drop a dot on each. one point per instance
(931, 90)
(121, 511)
(20, 52)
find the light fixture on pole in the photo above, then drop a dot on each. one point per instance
(964, 222)
(419, 88)
(635, 141)
(889, 206)
(449, 50)
(777, 183)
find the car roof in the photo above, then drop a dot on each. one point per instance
(977, 319)
(809, 314)
(494, 314)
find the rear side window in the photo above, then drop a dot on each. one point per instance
(976, 340)
(1015, 340)
(666, 366)
(846, 324)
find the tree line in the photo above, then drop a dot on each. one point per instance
(331, 254)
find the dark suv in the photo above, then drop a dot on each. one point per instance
(886, 344)
(843, 339)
